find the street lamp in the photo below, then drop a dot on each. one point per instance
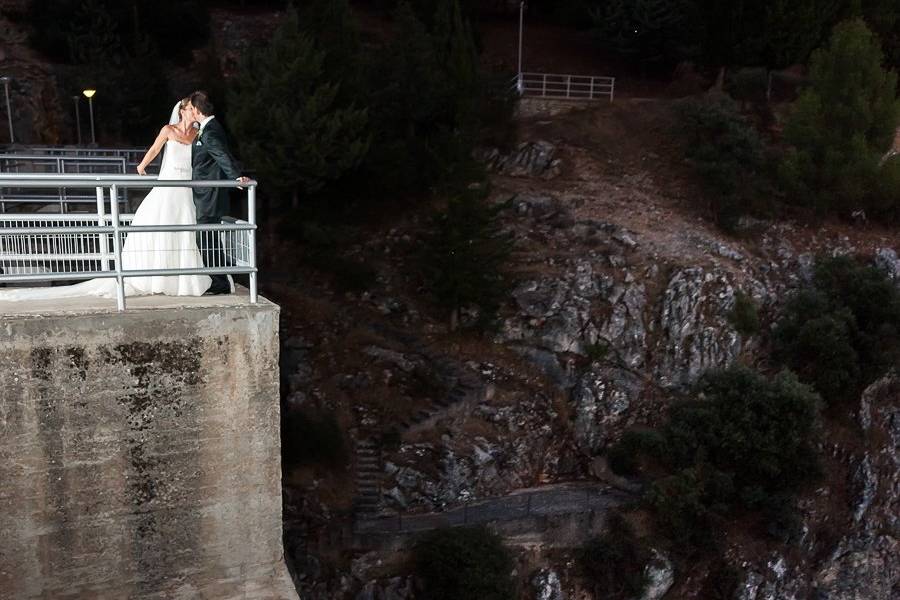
(89, 94)
(520, 84)
(75, 99)
(5, 80)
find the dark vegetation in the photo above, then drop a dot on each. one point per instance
(614, 562)
(741, 442)
(463, 564)
(311, 437)
(842, 331)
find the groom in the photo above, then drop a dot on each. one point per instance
(211, 159)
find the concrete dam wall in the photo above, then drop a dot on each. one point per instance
(140, 453)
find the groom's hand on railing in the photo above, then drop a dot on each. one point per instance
(242, 179)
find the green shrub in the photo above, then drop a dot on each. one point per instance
(682, 510)
(743, 442)
(759, 432)
(310, 438)
(842, 332)
(624, 457)
(744, 315)
(464, 564)
(614, 562)
(729, 155)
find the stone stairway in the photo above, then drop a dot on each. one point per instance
(461, 385)
(368, 474)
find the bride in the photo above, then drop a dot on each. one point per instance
(152, 250)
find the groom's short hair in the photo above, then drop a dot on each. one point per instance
(201, 102)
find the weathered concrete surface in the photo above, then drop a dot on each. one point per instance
(140, 453)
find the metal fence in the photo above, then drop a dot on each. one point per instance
(44, 247)
(555, 500)
(27, 164)
(132, 156)
(567, 87)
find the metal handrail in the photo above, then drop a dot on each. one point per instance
(108, 185)
(565, 86)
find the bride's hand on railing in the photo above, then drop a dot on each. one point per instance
(142, 169)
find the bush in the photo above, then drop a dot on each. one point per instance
(309, 438)
(744, 316)
(729, 155)
(624, 457)
(842, 124)
(464, 564)
(614, 562)
(760, 433)
(743, 442)
(843, 331)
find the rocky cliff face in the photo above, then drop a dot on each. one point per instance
(623, 298)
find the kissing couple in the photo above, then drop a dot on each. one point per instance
(191, 152)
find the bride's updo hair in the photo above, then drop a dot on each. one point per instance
(184, 104)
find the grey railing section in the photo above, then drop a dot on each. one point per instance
(28, 164)
(565, 87)
(72, 249)
(535, 503)
(132, 156)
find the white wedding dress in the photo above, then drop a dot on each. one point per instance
(148, 250)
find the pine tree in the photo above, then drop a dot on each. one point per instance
(465, 255)
(284, 111)
(843, 123)
(794, 28)
(656, 32)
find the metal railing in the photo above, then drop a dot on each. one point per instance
(43, 247)
(132, 156)
(40, 163)
(566, 87)
(555, 500)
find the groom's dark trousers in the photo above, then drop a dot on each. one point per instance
(211, 159)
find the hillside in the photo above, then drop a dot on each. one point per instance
(612, 245)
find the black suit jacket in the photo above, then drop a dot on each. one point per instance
(211, 159)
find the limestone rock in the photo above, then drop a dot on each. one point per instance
(601, 399)
(696, 333)
(547, 585)
(530, 159)
(886, 259)
(660, 576)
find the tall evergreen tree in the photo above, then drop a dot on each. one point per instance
(285, 112)
(843, 123)
(464, 257)
(655, 32)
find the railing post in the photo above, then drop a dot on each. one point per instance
(544, 88)
(101, 222)
(251, 218)
(62, 193)
(568, 86)
(117, 246)
(612, 88)
(592, 88)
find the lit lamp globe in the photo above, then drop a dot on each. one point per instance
(89, 94)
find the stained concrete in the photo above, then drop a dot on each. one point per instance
(140, 451)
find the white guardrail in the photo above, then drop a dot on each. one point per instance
(30, 164)
(565, 87)
(52, 247)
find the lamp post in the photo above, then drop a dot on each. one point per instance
(89, 94)
(76, 99)
(12, 136)
(520, 84)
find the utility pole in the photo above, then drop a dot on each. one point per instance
(5, 80)
(520, 85)
(76, 99)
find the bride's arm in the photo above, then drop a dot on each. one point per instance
(160, 141)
